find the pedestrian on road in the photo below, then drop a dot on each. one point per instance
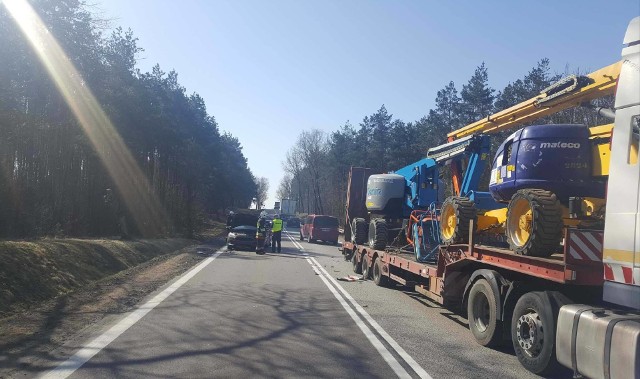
(261, 231)
(276, 233)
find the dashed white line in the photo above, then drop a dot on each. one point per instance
(328, 280)
(94, 347)
(384, 352)
(407, 358)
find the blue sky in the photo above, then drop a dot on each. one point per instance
(270, 69)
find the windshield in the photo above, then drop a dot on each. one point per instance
(326, 222)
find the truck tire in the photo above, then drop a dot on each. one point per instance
(378, 276)
(357, 266)
(378, 233)
(534, 223)
(454, 219)
(366, 271)
(482, 311)
(359, 231)
(533, 332)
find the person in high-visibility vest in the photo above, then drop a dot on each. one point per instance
(276, 233)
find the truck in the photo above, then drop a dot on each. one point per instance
(551, 261)
(288, 207)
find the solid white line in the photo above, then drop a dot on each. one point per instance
(384, 352)
(292, 239)
(94, 347)
(407, 358)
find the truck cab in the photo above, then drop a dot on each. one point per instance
(603, 342)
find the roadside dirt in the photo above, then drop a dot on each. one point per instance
(29, 339)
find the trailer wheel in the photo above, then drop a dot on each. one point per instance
(533, 329)
(482, 311)
(359, 231)
(378, 233)
(357, 266)
(378, 277)
(366, 268)
(534, 223)
(454, 219)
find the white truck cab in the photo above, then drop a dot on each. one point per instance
(604, 342)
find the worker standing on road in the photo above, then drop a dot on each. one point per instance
(261, 231)
(276, 233)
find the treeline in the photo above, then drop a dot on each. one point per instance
(53, 180)
(317, 166)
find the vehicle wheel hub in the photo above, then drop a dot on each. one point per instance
(530, 333)
(481, 312)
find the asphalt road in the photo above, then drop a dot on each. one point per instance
(285, 315)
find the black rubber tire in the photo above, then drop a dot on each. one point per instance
(542, 362)
(482, 312)
(366, 269)
(378, 276)
(465, 211)
(359, 231)
(378, 234)
(357, 266)
(546, 223)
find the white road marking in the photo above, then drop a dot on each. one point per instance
(94, 347)
(326, 278)
(384, 352)
(407, 358)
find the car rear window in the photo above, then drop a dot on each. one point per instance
(243, 219)
(326, 222)
(244, 229)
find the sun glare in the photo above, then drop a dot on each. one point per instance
(132, 184)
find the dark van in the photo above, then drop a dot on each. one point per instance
(320, 228)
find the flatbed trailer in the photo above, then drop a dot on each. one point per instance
(484, 283)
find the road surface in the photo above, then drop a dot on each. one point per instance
(239, 314)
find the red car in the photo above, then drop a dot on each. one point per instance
(320, 228)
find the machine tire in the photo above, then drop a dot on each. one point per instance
(536, 351)
(357, 266)
(359, 231)
(454, 219)
(378, 277)
(378, 233)
(482, 311)
(545, 228)
(366, 269)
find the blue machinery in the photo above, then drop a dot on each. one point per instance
(423, 229)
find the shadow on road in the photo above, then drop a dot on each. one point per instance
(252, 331)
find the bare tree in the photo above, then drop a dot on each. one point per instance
(313, 150)
(285, 190)
(294, 166)
(262, 191)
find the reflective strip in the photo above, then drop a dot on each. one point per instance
(585, 247)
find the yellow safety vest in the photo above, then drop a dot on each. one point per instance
(277, 225)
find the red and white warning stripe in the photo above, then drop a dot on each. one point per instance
(585, 245)
(621, 274)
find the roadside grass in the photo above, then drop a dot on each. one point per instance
(33, 271)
